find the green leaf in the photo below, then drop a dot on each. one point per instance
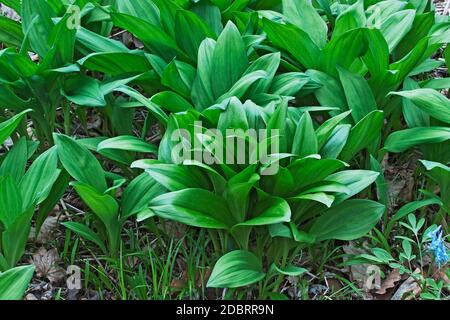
(14, 282)
(38, 181)
(343, 51)
(79, 162)
(86, 233)
(363, 134)
(208, 211)
(235, 269)
(349, 220)
(138, 194)
(293, 40)
(105, 208)
(397, 26)
(305, 139)
(10, 32)
(10, 201)
(302, 14)
(143, 9)
(153, 37)
(37, 24)
(202, 92)
(190, 31)
(414, 116)
(83, 91)
(7, 127)
(177, 177)
(179, 76)
(271, 211)
(403, 140)
(336, 142)
(430, 101)
(358, 93)
(15, 237)
(291, 270)
(324, 132)
(116, 63)
(127, 143)
(413, 206)
(351, 18)
(15, 161)
(354, 180)
(97, 43)
(229, 60)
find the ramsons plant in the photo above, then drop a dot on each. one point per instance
(263, 216)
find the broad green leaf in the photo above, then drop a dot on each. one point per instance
(37, 24)
(235, 269)
(10, 201)
(116, 63)
(202, 92)
(326, 129)
(177, 177)
(413, 206)
(38, 181)
(305, 139)
(127, 143)
(7, 127)
(403, 140)
(105, 208)
(349, 220)
(397, 26)
(229, 60)
(302, 14)
(293, 40)
(15, 237)
(179, 76)
(336, 142)
(291, 270)
(15, 161)
(153, 37)
(354, 180)
(343, 51)
(190, 31)
(143, 9)
(79, 162)
(86, 233)
(83, 91)
(10, 32)
(430, 101)
(207, 211)
(271, 211)
(14, 282)
(363, 134)
(358, 93)
(138, 194)
(414, 116)
(351, 18)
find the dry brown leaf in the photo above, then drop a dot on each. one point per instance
(46, 263)
(47, 230)
(389, 282)
(410, 287)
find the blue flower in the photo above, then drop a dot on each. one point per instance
(437, 246)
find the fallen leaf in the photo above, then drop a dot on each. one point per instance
(410, 286)
(389, 282)
(46, 263)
